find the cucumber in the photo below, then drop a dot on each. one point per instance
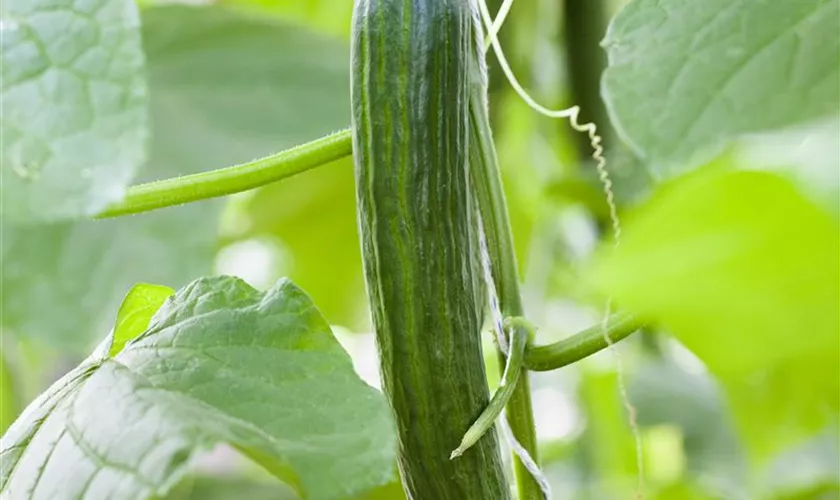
(417, 224)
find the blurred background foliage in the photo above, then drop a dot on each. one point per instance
(735, 263)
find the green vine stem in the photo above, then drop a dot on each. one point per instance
(487, 180)
(582, 344)
(230, 180)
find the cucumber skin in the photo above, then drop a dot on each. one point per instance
(417, 223)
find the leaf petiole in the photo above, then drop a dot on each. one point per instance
(580, 345)
(230, 180)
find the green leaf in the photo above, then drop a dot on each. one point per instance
(137, 309)
(685, 76)
(743, 269)
(61, 283)
(74, 106)
(219, 363)
(808, 155)
(218, 98)
(732, 263)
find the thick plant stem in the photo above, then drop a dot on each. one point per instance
(580, 345)
(230, 180)
(491, 200)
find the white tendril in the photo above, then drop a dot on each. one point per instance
(492, 296)
(504, 9)
(528, 462)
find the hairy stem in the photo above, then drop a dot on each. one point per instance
(230, 180)
(582, 344)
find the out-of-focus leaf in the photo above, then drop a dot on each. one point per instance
(786, 403)
(735, 263)
(8, 396)
(684, 491)
(809, 155)
(330, 16)
(811, 470)
(219, 363)
(240, 87)
(743, 269)
(819, 492)
(314, 216)
(607, 445)
(137, 309)
(664, 393)
(219, 97)
(685, 77)
(238, 98)
(525, 160)
(74, 106)
(391, 491)
(205, 487)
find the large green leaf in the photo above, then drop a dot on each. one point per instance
(742, 267)
(219, 363)
(687, 76)
(74, 106)
(218, 98)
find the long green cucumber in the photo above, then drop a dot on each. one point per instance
(410, 64)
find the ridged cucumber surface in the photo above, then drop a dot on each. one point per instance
(417, 223)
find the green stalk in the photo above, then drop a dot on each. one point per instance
(487, 180)
(230, 180)
(582, 344)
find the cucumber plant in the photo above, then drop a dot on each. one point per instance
(729, 125)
